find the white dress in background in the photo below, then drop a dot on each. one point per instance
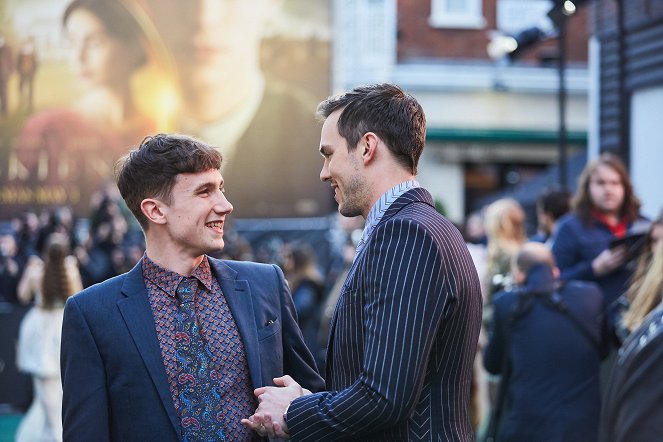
(38, 354)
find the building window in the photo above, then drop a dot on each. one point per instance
(463, 14)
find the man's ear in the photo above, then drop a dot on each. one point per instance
(369, 147)
(152, 209)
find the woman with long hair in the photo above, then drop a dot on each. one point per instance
(632, 399)
(645, 291)
(605, 209)
(505, 231)
(39, 343)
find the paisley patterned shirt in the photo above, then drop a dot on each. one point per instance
(218, 328)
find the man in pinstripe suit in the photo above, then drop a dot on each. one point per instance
(404, 334)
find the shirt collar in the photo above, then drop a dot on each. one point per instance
(167, 280)
(618, 230)
(380, 207)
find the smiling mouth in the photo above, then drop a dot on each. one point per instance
(216, 225)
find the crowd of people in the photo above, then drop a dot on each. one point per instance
(571, 315)
(49, 255)
(560, 309)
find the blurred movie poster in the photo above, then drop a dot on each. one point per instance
(84, 81)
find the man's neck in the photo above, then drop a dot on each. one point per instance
(172, 260)
(382, 185)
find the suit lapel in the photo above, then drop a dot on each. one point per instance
(240, 302)
(332, 322)
(137, 313)
(418, 194)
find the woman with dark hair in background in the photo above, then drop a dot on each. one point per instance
(306, 285)
(38, 352)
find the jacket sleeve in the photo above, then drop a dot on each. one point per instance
(405, 296)
(85, 399)
(298, 361)
(567, 256)
(493, 355)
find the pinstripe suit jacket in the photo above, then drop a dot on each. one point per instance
(403, 336)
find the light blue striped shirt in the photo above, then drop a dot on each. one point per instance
(380, 207)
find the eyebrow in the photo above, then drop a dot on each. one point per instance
(207, 185)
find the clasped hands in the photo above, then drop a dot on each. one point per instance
(269, 418)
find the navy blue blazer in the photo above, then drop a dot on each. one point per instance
(576, 244)
(553, 389)
(115, 383)
(402, 338)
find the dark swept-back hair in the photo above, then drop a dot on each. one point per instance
(582, 202)
(150, 170)
(554, 202)
(116, 18)
(385, 109)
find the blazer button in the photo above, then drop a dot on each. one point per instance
(270, 322)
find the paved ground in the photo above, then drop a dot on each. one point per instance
(8, 424)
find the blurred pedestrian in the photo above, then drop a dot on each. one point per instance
(505, 232)
(645, 291)
(551, 205)
(605, 208)
(546, 341)
(10, 272)
(6, 69)
(632, 410)
(38, 351)
(26, 66)
(306, 286)
(31, 287)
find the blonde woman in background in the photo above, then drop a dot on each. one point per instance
(632, 400)
(505, 230)
(504, 222)
(645, 292)
(38, 351)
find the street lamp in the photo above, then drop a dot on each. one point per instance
(509, 46)
(559, 14)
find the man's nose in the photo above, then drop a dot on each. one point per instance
(223, 205)
(324, 173)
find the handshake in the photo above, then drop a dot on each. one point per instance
(269, 418)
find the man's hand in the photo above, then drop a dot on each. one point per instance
(608, 260)
(268, 419)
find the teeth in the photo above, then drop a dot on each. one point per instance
(214, 224)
